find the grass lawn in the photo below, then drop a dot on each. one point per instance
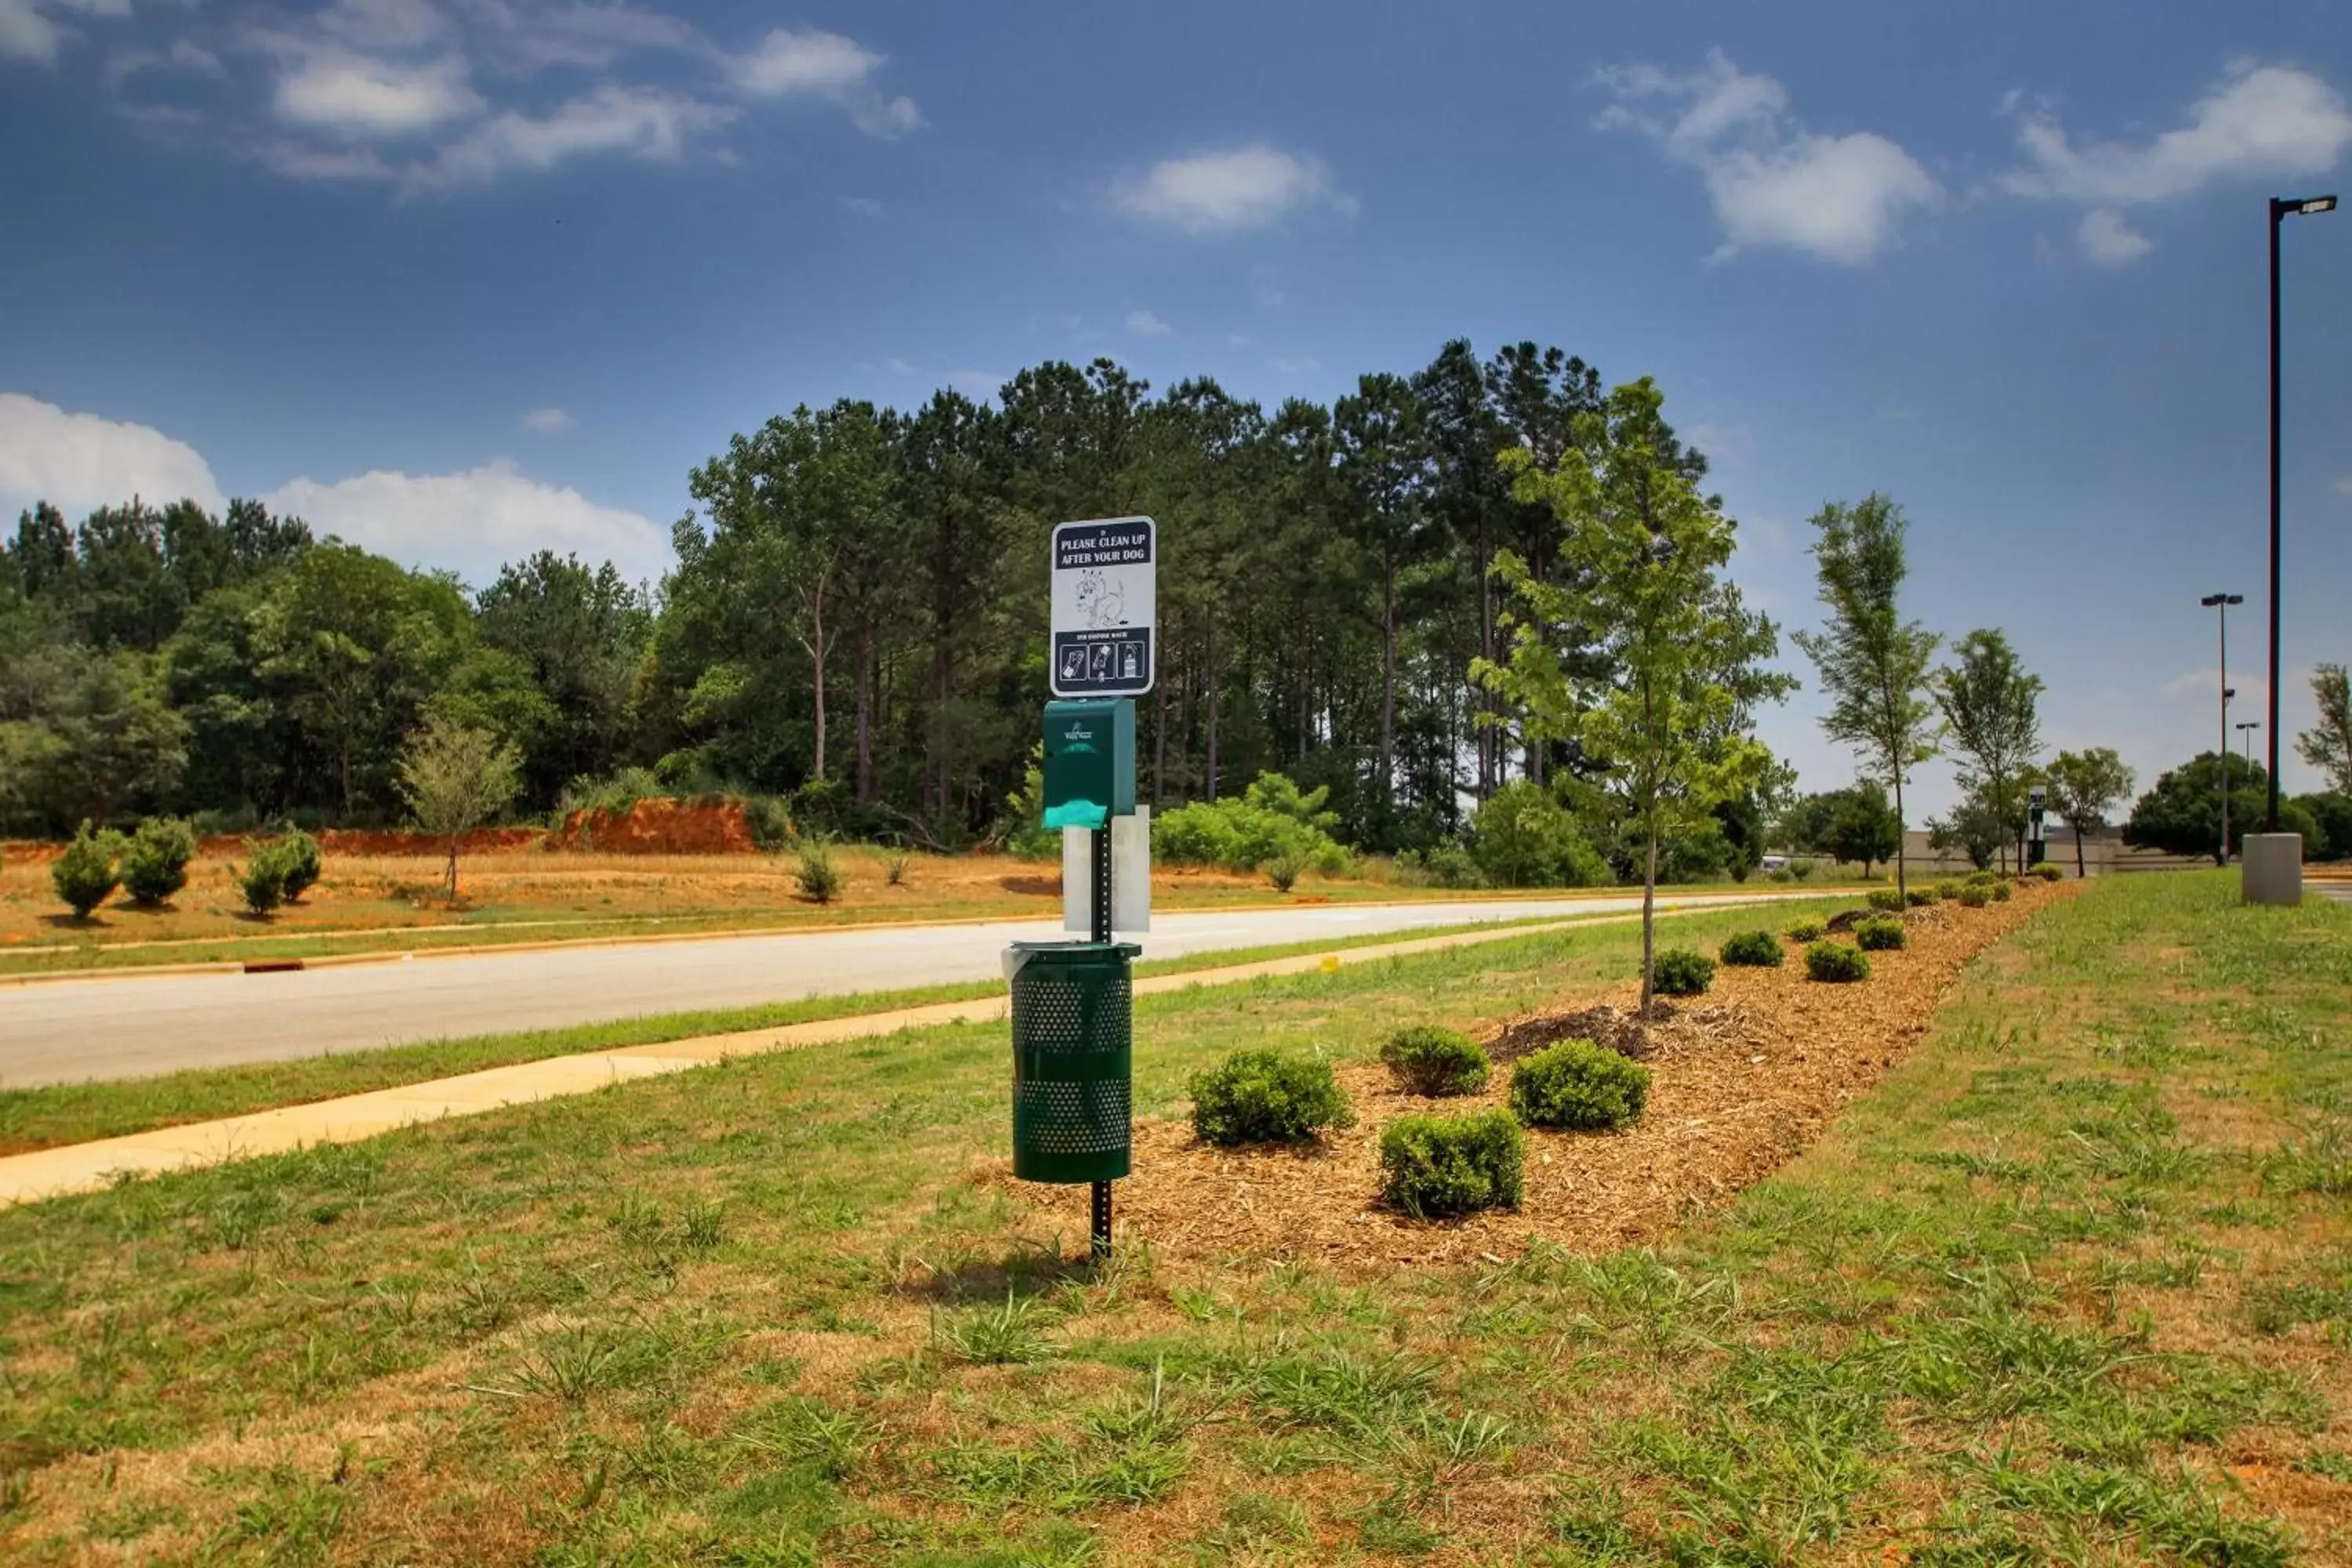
(2075, 1285)
(55, 1114)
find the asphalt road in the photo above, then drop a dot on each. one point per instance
(69, 1031)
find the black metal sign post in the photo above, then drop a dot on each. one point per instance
(1099, 847)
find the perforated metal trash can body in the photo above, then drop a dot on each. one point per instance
(1073, 1060)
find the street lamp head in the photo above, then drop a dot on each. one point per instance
(2295, 206)
(2210, 600)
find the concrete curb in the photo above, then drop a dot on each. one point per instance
(86, 1167)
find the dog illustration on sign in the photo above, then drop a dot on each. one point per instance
(1103, 603)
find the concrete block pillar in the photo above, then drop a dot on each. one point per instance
(2270, 869)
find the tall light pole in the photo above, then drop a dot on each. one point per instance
(2281, 210)
(2247, 728)
(2222, 602)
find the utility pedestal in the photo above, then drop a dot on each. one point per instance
(2270, 869)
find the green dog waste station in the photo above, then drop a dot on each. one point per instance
(1073, 1002)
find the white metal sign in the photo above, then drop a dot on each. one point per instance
(1104, 607)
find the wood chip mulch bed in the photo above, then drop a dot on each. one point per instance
(1742, 1079)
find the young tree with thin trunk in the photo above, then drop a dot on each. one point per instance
(1990, 703)
(1874, 664)
(455, 778)
(2327, 745)
(2085, 789)
(1663, 712)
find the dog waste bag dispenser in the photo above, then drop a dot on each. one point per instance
(1089, 763)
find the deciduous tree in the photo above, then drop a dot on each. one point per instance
(455, 778)
(2327, 745)
(2085, 789)
(1991, 706)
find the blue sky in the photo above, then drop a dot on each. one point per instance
(461, 278)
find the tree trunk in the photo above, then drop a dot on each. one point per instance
(1489, 741)
(1902, 888)
(1210, 676)
(935, 764)
(865, 714)
(1650, 925)
(453, 866)
(2080, 874)
(1388, 681)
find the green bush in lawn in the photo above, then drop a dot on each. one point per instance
(1976, 897)
(1885, 898)
(298, 853)
(2048, 871)
(1438, 1165)
(1879, 936)
(813, 872)
(1577, 1083)
(87, 874)
(155, 861)
(1805, 931)
(1836, 963)
(1427, 1059)
(1679, 971)
(1754, 950)
(2002, 892)
(262, 877)
(1266, 1097)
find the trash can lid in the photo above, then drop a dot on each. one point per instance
(1074, 952)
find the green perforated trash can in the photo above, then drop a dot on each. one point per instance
(1073, 1060)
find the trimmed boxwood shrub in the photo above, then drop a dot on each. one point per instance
(1919, 897)
(2001, 892)
(1266, 1097)
(1753, 950)
(1438, 1165)
(1879, 935)
(155, 861)
(1836, 963)
(1427, 1059)
(1805, 931)
(1946, 892)
(1577, 1083)
(262, 877)
(1976, 897)
(1679, 971)
(2048, 871)
(1886, 898)
(88, 872)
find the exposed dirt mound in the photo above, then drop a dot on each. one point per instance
(367, 841)
(1741, 1081)
(659, 827)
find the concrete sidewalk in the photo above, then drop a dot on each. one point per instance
(86, 1167)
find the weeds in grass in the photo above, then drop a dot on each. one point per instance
(996, 1336)
(2320, 1163)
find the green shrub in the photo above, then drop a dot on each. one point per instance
(1919, 897)
(262, 877)
(1273, 817)
(1945, 893)
(1805, 931)
(1522, 836)
(1753, 950)
(2048, 871)
(1285, 870)
(301, 855)
(768, 821)
(1266, 1097)
(894, 867)
(1578, 1084)
(155, 861)
(1885, 898)
(1426, 1060)
(88, 872)
(1836, 963)
(815, 875)
(1438, 1165)
(1800, 869)
(2002, 892)
(1880, 935)
(1679, 971)
(1976, 897)
(1446, 865)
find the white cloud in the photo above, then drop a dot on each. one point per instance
(80, 461)
(813, 64)
(1771, 181)
(1300, 364)
(183, 56)
(1145, 324)
(2344, 485)
(2257, 121)
(384, 24)
(2106, 240)
(1223, 191)
(27, 32)
(639, 122)
(355, 95)
(2203, 688)
(471, 521)
(588, 37)
(547, 421)
(864, 206)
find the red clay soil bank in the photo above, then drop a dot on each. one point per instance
(659, 828)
